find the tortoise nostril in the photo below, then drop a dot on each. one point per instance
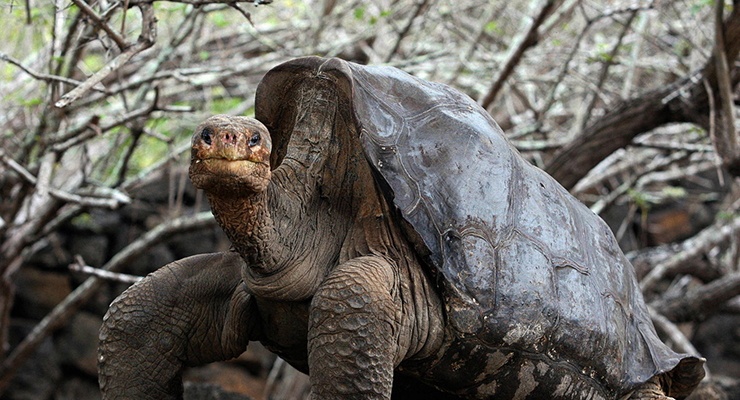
(230, 138)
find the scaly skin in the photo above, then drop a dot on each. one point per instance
(178, 316)
(350, 341)
(328, 283)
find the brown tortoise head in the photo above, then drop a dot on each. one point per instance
(230, 156)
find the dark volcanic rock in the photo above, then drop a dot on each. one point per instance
(38, 292)
(77, 344)
(38, 376)
(206, 391)
(77, 388)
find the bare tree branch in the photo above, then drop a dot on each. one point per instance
(80, 266)
(693, 248)
(699, 302)
(201, 2)
(64, 310)
(591, 102)
(421, 7)
(115, 36)
(681, 101)
(680, 342)
(44, 77)
(526, 39)
(146, 40)
(726, 138)
(111, 203)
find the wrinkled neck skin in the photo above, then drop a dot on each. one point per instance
(269, 230)
(291, 233)
(247, 222)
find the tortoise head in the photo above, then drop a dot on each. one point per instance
(230, 156)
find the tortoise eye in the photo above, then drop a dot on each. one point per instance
(255, 140)
(206, 134)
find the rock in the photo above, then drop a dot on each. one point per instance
(150, 261)
(92, 248)
(38, 292)
(207, 391)
(53, 255)
(229, 377)
(77, 343)
(37, 377)
(158, 185)
(97, 221)
(204, 241)
(718, 339)
(77, 388)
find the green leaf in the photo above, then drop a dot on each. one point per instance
(31, 102)
(640, 199)
(360, 13)
(94, 61)
(726, 215)
(220, 20)
(492, 27)
(695, 8)
(220, 106)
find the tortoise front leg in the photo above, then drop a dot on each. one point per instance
(190, 312)
(353, 332)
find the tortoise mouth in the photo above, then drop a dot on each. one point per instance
(229, 176)
(224, 166)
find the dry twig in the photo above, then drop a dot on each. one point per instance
(59, 316)
(526, 39)
(80, 266)
(146, 40)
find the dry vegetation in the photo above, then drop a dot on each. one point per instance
(631, 105)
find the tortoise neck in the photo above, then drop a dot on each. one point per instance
(248, 224)
(270, 232)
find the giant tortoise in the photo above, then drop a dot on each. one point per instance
(389, 241)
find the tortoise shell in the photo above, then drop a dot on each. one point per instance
(522, 266)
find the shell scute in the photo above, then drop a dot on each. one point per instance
(524, 314)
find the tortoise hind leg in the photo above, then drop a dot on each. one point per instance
(650, 390)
